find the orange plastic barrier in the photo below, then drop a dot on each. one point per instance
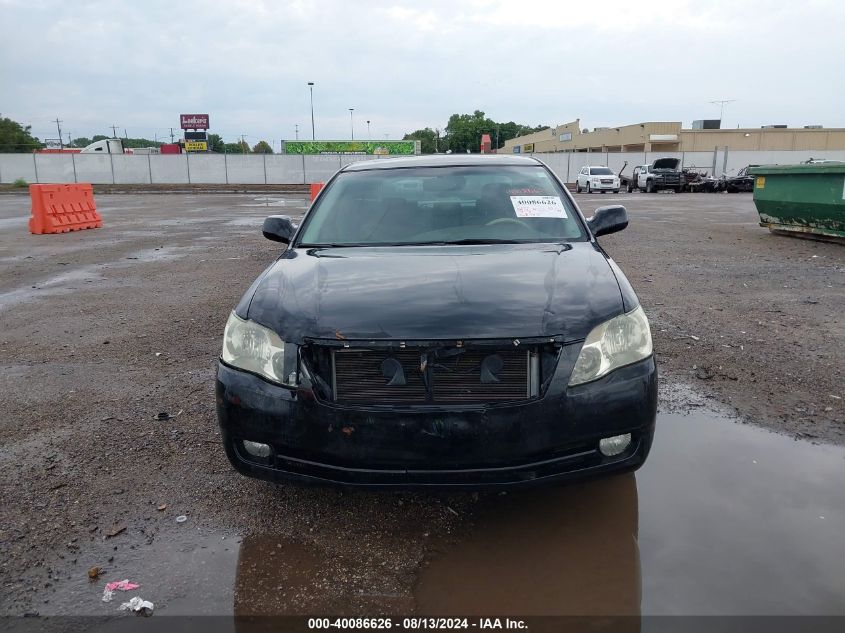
(63, 208)
(315, 189)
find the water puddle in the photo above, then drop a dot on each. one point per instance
(74, 280)
(61, 283)
(191, 575)
(724, 518)
(271, 201)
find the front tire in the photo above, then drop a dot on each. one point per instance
(589, 190)
(630, 188)
(649, 186)
(577, 187)
(616, 191)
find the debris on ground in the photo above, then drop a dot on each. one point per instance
(181, 518)
(94, 572)
(115, 530)
(117, 585)
(164, 416)
(138, 606)
(704, 373)
(162, 507)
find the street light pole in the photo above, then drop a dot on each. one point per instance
(297, 131)
(369, 138)
(351, 123)
(311, 89)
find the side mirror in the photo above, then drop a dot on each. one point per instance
(608, 220)
(278, 228)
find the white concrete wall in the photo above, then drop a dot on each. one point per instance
(14, 166)
(131, 170)
(295, 169)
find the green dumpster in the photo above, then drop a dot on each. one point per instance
(807, 200)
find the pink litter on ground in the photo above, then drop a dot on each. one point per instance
(122, 585)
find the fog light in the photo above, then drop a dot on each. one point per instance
(257, 449)
(610, 446)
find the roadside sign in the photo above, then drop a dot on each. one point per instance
(196, 146)
(194, 121)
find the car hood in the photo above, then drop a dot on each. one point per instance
(420, 293)
(666, 164)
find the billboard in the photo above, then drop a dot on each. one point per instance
(528, 147)
(196, 136)
(194, 121)
(196, 146)
(378, 148)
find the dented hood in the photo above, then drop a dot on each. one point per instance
(455, 292)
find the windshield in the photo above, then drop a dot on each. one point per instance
(600, 171)
(436, 205)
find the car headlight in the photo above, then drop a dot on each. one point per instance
(615, 343)
(257, 349)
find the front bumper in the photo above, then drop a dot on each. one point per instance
(604, 186)
(547, 439)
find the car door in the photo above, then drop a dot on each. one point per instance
(582, 178)
(635, 177)
(642, 177)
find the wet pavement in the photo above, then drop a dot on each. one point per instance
(103, 330)
(724, 519)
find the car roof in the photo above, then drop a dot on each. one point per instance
(594, 166)
(443, 160)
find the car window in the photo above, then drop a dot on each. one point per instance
(438, 204)
(600, 171)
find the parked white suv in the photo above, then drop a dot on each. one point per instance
(596, 178)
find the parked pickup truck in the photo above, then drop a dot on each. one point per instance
(664, 173)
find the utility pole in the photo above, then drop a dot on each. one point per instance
(351, 123)
(721, 103)
(369, 138)
(69, 144)
(171, 135)
(114, 131)
(297, 131)
(59, 128)
(243, 144)
(125, 135)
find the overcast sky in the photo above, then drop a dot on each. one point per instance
(405, 65)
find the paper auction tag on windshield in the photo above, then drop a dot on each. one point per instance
(538, 207)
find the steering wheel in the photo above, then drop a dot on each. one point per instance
(512, 220)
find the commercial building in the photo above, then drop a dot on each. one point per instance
(670, 136)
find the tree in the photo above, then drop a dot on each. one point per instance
(241, 147)
(140, 142)
(16, 138)
(463, 132)
(262, 147)
(215, 143)
(82, 141)
(427, 138)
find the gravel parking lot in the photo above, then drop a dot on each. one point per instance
(109, 342)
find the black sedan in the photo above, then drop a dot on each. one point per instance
(439, 321)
